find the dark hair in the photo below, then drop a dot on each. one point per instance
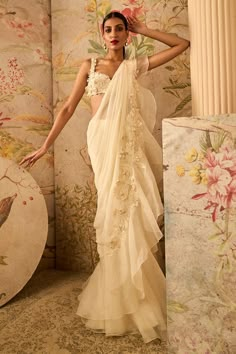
(116, 14)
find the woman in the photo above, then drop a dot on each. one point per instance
(126, 292)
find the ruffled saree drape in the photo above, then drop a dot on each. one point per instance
(126, 292)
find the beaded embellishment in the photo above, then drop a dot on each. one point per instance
(130, 158)
(97, 82)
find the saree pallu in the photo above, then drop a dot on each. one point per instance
(126, 292)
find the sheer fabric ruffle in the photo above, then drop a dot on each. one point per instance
(126, 292)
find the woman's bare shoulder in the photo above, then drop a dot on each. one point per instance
(86, 65)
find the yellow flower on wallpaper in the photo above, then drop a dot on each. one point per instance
(201, 156)
(58, 60)
(195, 170)
(196, 179)
(204, 179)
(91, 6)
(195, 173)
(180, 170)
(103, 6)
(191, 155)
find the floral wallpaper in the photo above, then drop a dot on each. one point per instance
(76, 36)
(200, 224)
(26, 94)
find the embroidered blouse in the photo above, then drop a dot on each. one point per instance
(97, 82)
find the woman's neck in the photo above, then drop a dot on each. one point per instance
(115, 56)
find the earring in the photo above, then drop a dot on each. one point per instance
(126, 43)
(104, 46)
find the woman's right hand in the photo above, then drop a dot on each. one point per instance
(30, 160)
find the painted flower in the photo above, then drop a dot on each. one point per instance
(225, 158)
(195, 173)
(59, 60)
(221, 190)
(41, 56)
(201, 156)
(104, 6)
(191, 155)
(91, 7)
(131, 2)
(210, 160)
(19, 26)
(231, 191)
(44, 20)
(204, 179)
(135, 11)
(15, 77)
(196, 179)
(180, 170)
(218, 180)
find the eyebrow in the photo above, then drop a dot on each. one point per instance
(119, 24)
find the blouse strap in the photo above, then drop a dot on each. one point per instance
(93, 65)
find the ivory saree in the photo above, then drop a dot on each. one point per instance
(126, 292)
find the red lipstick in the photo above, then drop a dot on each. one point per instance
(114, 41)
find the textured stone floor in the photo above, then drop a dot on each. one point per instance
(41, 320)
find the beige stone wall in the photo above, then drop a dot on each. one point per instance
(76, 36)
(26, 94)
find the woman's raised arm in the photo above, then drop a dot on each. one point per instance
(63, 116)
(177, 44)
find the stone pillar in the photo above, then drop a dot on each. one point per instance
(213, 56)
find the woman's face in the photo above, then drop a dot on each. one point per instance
(115, 33)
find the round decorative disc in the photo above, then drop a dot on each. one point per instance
(23, 228)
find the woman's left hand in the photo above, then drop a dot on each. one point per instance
(135, 25)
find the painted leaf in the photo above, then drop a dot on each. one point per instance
(66, 73)
(6, 98)
(215, 236)
(2, 260)
(183, 103)
(177, 307)
(33, 118)
(177, 86)
(23, 89)
(169, 67)
(198, 196)
(95, 45)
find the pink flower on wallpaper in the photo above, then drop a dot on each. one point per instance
(218, 180)
(19, 26)
(41, 56)
(220, 169)
(135, 11)
(232, 191)
(210, 160)
(132, 2)
(13, 79)
(44, 20)
(225, 158)
(218, 200)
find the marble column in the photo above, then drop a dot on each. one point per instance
(213, 56)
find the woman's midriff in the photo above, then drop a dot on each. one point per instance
(95, 103)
